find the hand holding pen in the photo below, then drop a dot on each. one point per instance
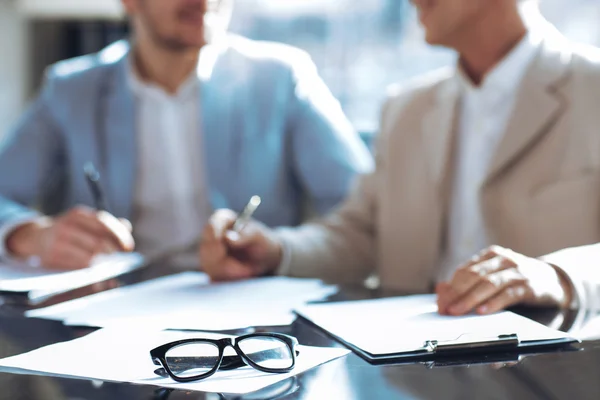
(235, 247)
(71, 240)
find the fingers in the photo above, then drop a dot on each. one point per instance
(73, 239)
(217, 262)
(497, 279)
(229, 255)
(472, 274)
(85, 219)
(491, 286)
(468, 276)
(127, 224)
(239, 240)
(212, 245)
(232, 270)
(211, 252)
(215, 257)
(78, 237)
(67, 256)
(476, 279)
(221, 221)
(504, 299)
(104, 227)
(500, 282)
(441, 290)
(117, 232)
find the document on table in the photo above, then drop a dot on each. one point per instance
(190, 301)
(400, 325)
(124, 356)
(39, 284)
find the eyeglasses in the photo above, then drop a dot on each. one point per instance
(194, 359)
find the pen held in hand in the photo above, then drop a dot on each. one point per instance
(245, 216)
(92, 177)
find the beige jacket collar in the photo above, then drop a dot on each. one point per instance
(539, 105)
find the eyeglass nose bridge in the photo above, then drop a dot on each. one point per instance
(227, 342)
(229, 362)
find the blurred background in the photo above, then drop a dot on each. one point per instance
(359, 46)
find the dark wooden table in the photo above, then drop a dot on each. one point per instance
(571, 375)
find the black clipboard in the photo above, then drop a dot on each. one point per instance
(465, 346)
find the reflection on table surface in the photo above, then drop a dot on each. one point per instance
(556, 375)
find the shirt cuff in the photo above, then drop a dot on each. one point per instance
(7, 229)
(575, 290)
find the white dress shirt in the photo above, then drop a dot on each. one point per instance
(485, 111)
(171, 206)
(170, 203)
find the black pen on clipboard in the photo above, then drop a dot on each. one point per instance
(244, 217)
(92, 177)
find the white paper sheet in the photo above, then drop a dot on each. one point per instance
(40, 283)
(189, 301)
(124, 356)
(402, 324)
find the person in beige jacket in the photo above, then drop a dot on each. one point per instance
(503, 149)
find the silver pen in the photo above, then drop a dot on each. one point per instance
(244, 217)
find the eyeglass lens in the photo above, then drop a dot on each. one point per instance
(192, 359)
(267, 352)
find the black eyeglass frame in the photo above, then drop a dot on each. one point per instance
(158, 354)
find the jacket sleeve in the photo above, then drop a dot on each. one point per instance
(342, 247)
(31, 160)
(327, 152)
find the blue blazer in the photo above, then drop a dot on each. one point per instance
(270, 127)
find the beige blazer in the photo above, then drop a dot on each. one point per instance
(542, 192)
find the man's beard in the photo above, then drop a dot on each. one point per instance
(175, 44)
(214, 28)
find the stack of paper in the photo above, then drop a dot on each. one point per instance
(189, 301)
(124, 356)
(39, 284)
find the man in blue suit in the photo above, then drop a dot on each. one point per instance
(181, 120)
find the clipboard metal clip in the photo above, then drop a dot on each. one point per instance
(470, 343)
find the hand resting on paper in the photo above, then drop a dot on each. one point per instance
(498, 278)
(71, 240)
(227, 255)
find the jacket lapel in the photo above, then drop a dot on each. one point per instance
(438, 130)
(119, 149)
(218, 134)
(539, 105)
(439, 133)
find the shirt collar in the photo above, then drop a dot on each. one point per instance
(142, 88)
(506, 76)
